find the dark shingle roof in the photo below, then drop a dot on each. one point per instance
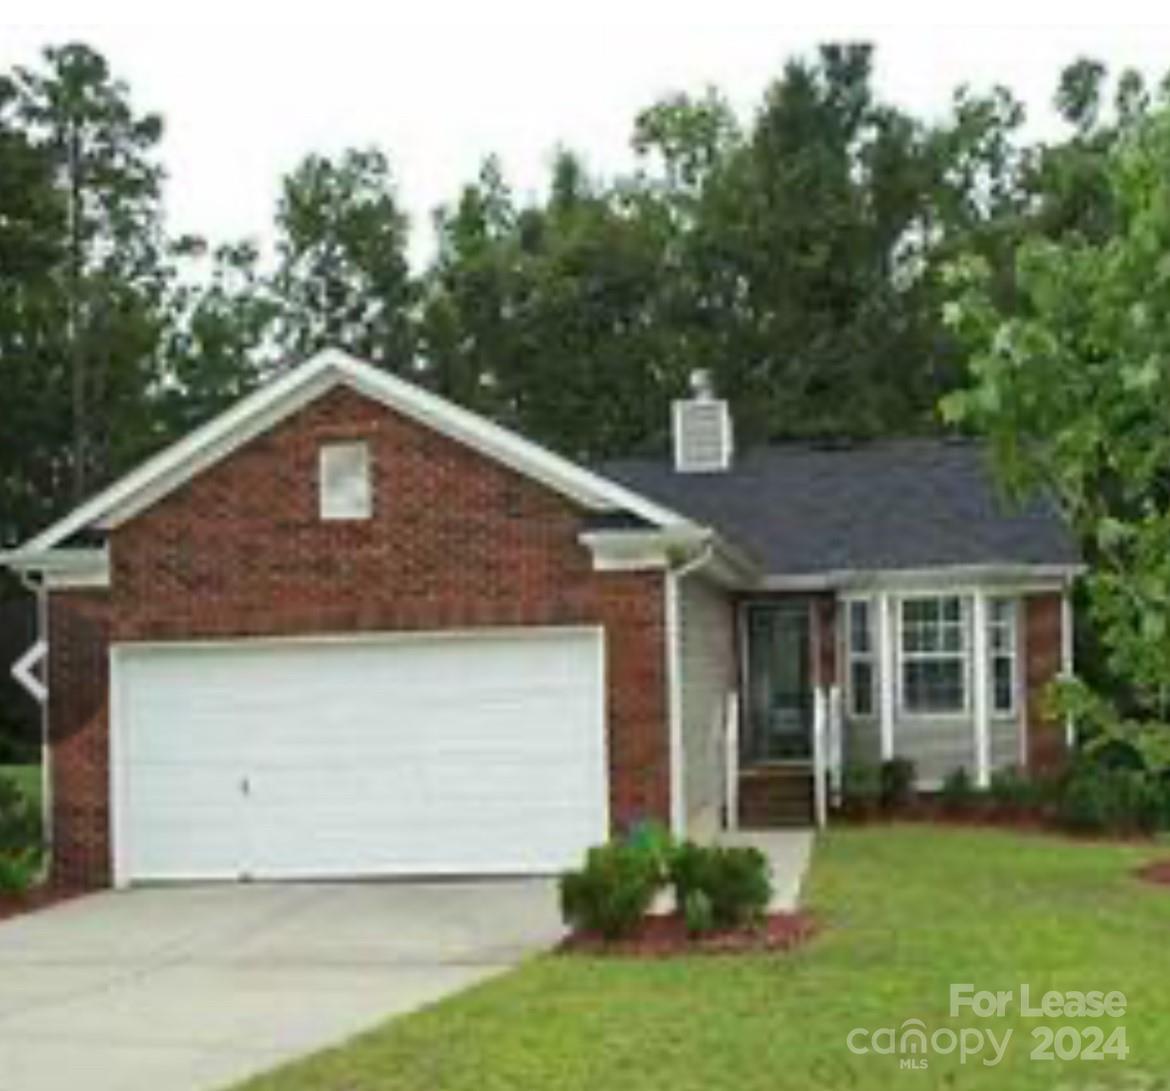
(890, 504)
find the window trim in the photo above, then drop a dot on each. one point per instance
(328, 511)
(964, 655)
(872, 657)
(1012, 656)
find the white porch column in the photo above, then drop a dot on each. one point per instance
(886, 636)
(980, 709)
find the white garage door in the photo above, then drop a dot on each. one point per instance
(437, 754)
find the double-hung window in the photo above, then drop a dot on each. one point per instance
(1001, 647)
(862, 655)
(934, 648)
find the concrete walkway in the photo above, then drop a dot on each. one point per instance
(788, 851)
(185, 989)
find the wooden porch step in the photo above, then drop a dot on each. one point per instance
(772, 797)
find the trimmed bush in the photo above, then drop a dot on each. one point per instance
(613, 891)
(655, 841)
(734, 881)
(19, 871)
(861, 788)
(698, 914)
(20, 821)
(1096, 799)
(1013, 789)
(958, 792)
(896, 782)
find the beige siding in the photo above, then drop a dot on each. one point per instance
(1005, 743)
(706, 621)
(936, 745)
(862, 742)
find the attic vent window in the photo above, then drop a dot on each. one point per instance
(345, 481)
(702, 430)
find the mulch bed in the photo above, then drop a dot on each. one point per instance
(40, 897)
(666, 936)
(1157, 871)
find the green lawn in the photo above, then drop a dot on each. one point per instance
(908, 911)
(27, 777)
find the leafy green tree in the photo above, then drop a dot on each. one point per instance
(800, 268)
(216, 345)
(467, 331)
(34, 419)
(343, 277)
(1070, 382)
(110, 280)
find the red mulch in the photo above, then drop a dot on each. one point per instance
(665, 936)
(40, 897)
(1158, 871)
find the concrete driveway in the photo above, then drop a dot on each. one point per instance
(179, 989)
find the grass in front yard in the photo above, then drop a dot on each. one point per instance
(27, 779)
(908, 911)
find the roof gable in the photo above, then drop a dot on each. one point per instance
(282, 397)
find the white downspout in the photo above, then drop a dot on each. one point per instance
(674, 684)
(1067, 666)
(38, 589)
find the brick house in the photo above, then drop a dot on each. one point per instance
(348, 628)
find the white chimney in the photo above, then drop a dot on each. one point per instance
(702, 429)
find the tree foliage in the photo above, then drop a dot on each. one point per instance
(342, 276)
(1071, 379)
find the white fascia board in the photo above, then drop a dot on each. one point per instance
(280, 398)
(634, 550)
(62, 568)
(1021, 577)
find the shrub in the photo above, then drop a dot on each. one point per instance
(698, 913)
(896, 782)
(742, 886)
(1097, 799)
(861, 787)
(689, 867)
(735, 882)
(1012, 788)
(20, 820)
(958, 790)
(654, 840)
(612, 892)
(18, 872)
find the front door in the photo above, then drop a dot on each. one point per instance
(778, 720)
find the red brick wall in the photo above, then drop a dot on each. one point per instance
(455, 541)
(1047, 746)
(78, 690)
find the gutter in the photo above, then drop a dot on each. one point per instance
(675, 574)
(37, 588)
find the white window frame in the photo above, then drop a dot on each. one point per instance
(1011, 655)
(964, 654)
(872, 657)
(332, 507)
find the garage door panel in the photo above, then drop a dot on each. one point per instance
(425, 755)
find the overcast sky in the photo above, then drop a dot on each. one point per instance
(243, 101)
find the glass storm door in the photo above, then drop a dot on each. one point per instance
(779, 700)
